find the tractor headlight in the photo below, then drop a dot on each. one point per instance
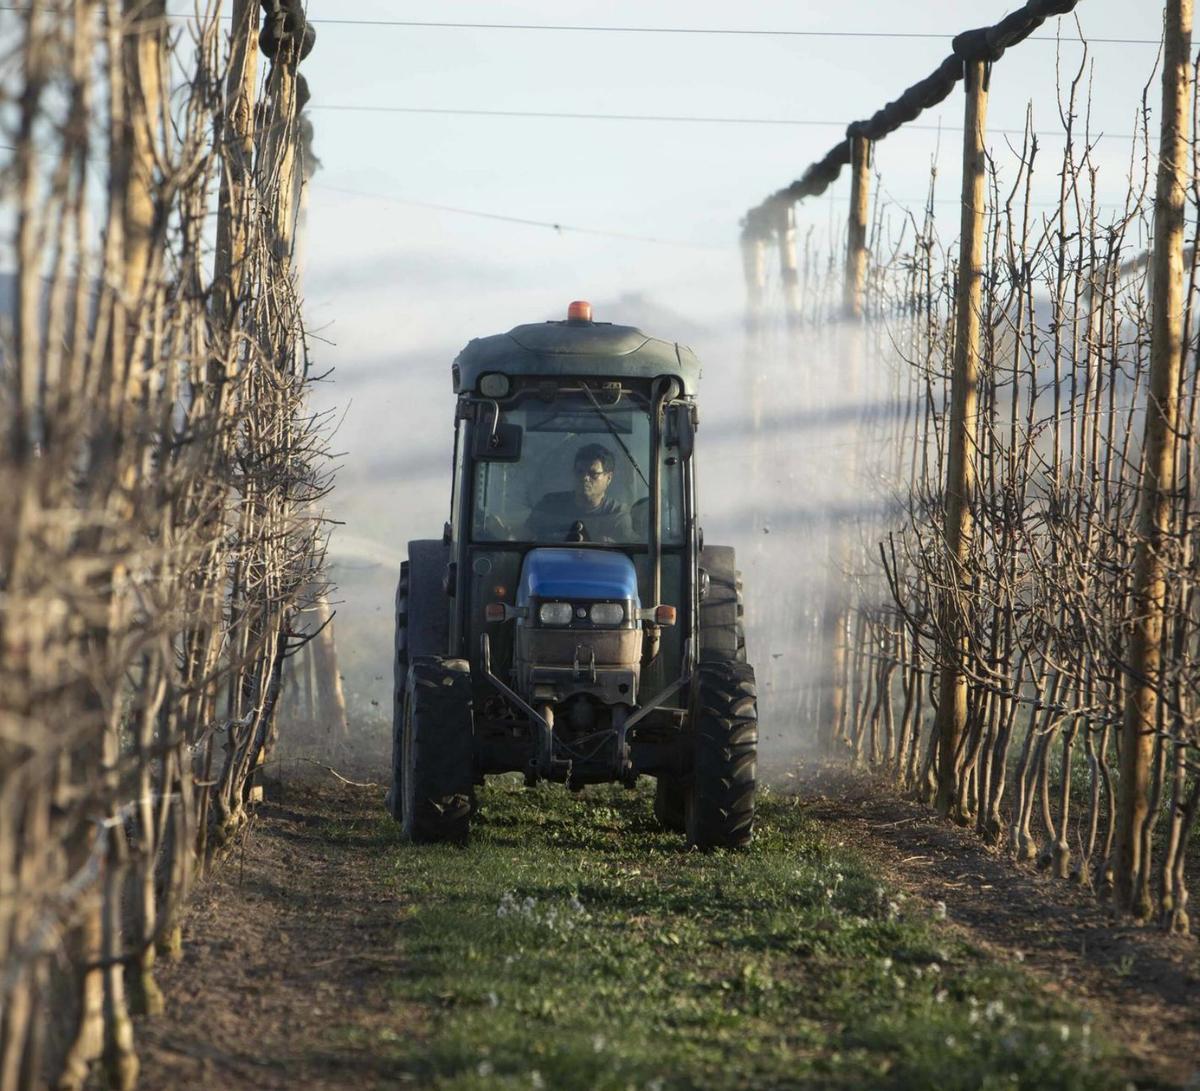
(607, 613)
(555, 613)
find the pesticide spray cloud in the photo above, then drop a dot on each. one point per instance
(793, 459)
(789, 462)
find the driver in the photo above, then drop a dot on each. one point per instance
(604, 519)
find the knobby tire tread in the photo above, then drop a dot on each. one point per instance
(725, 717)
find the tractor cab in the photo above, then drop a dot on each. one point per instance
(570, 613)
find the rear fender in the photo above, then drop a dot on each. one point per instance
(428, 604)
(718, 609)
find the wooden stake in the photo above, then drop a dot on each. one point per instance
(960, 471)
(1151, 557)
(278, 167)
(237, 148)
(145, 60)
(854, 288)
(788, 271)
(836, 612)
(754, 265)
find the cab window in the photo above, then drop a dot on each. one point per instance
(583, 473)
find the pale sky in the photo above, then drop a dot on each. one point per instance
(391, 274)
(395, 288)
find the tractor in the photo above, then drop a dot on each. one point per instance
(571, 623)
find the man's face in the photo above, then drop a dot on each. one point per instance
(591, 482)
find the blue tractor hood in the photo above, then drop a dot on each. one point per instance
(577, 574)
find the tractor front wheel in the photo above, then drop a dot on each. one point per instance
(436, 751)
(719, 804)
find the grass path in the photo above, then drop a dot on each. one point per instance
(575, 945)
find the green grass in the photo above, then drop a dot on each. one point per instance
(576, 945)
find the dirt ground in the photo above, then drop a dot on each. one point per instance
(290, 930)
(293, 928)
(1145, 984)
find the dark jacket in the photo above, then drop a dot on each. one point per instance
(554, 515)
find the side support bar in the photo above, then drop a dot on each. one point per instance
(523, 705)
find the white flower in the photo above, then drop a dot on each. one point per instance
(886, 964)
(939, 911)
(1064, 1032)
(575, 904)
(939, 997)
(598, 1043)
(493, 1000)
(933, 968)
(994, 1009)
(508, 904)
(484, 1069)
(951, 1041)
(536, 1081)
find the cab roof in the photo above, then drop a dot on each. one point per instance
(575, 347)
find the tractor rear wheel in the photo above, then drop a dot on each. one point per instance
(436, 751)
(719, 804)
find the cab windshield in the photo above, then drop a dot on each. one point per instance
(583, 474)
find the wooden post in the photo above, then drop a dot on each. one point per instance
(1151, 562)
(278, 177)
(278, 168)
(836, 613)
(854, 288)
(330, 710)
(146, 88)
(754, 265)
(789, 273)
(951, 719)
(237, 159)
(145, 61)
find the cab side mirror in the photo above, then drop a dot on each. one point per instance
(681, 429)
(501, 443)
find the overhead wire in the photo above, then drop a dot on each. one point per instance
(559, 227)
(587, 116)
(684, 118)
(564, 228)
(748, 32)
(737, 32)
